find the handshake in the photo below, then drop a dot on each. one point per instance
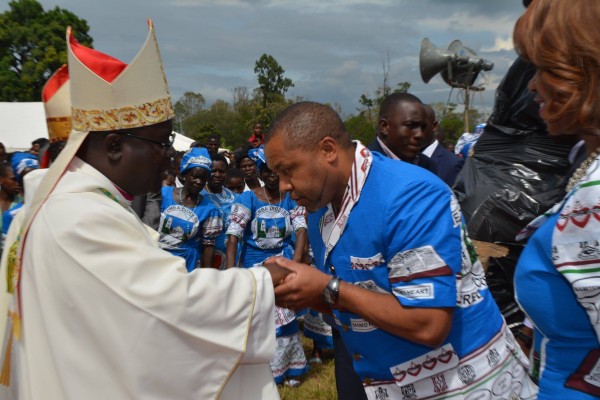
(297, 285)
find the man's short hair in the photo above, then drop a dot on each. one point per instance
(214, 136)
(304, 124)
(429, 111)
(5, 169)
(41, 141)
(219, 157)
(388, 104)
(234, 173)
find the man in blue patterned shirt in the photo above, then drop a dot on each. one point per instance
(396, 270)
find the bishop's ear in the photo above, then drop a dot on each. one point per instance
(113, 146)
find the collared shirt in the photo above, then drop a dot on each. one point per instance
(431, 148)
(393, 156)
(387, 151)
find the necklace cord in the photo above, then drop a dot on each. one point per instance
(580, 171)
(181, 199)
(267, 197)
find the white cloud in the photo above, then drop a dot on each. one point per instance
(214, 93)
(332, 49)
(500, 44)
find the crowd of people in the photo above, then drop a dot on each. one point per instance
(130, 270)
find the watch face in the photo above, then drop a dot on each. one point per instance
(330, 292)
(327, 294)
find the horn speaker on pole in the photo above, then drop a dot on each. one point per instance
(432, 60)
(458, 65)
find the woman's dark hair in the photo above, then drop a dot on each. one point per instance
(242, 153)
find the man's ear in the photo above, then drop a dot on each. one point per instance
(383, 128)
(113, 146)
(329, 147)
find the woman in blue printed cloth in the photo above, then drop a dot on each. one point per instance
(223, 199)
(557, 279)
(22, 164)
(265, 221)
(190, 222)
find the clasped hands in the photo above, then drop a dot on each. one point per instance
(297, 285)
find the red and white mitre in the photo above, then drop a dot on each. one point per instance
(107, 94)
(57, 105)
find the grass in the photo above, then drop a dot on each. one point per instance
(318, 383)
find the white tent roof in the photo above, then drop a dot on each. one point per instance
(22, 123)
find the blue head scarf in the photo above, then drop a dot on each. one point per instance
(21, 161)
(258, 155)
(479, 128)
(196, 157)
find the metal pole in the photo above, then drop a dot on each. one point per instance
(467, 109)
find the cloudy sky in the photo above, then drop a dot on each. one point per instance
(333, 50)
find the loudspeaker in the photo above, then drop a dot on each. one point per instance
(458, 65)
(432, 60)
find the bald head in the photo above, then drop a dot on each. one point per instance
(303, 125)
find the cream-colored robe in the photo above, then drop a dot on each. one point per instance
(108, 315)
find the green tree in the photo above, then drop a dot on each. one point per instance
(247, 109)
(33, 46)
(370, 105)
(219, 118)
(266, 115)
(360, 128)
(452, 122)
(272, 84)
(186, 107)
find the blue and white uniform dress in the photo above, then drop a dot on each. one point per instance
(185, 231)
(223, 201)
(266, 230)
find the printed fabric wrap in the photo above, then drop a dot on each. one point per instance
(557, 282)
(576, 255)
(196, 157)
(575, 243)
(223, 201)
(265, 229)
(258, 155)
(21, 161)
(185, 231)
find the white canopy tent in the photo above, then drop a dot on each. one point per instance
(22, 123)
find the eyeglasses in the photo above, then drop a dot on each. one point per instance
(164, 145)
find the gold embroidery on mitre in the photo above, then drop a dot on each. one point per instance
(123, 118)
(58, 128)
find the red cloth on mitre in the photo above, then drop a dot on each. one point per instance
(103, 65)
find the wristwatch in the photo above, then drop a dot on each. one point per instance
(332, 290)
